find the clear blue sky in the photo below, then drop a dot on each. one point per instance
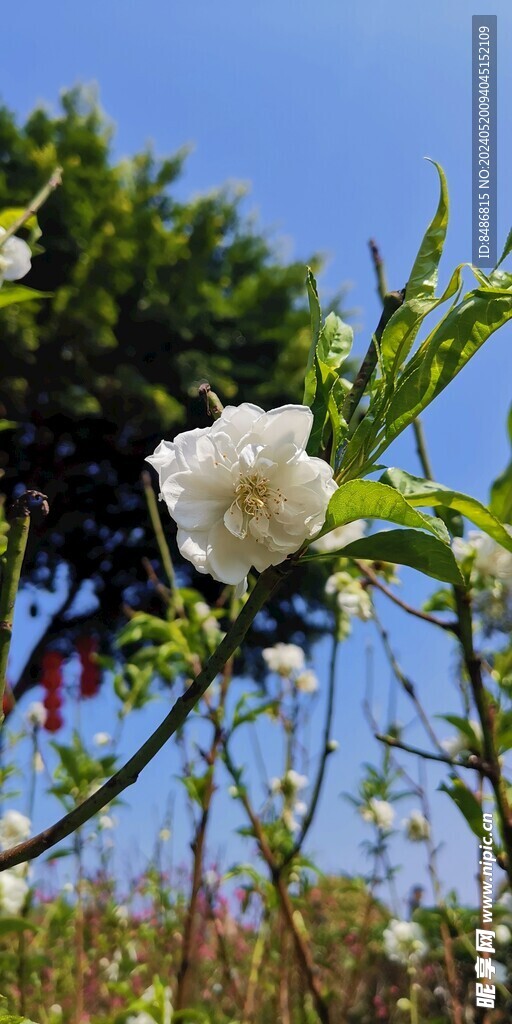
(327, 112)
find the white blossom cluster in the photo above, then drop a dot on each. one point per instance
(287, 661)
(14, 829)
(417, 827)
(404, 941)
(289, 786)
(378, 812)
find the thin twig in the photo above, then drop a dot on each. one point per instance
(367, 572)
(34, 206)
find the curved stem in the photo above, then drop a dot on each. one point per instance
(308, 820)
(128, 774)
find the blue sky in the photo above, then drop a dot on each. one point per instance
(327, 112)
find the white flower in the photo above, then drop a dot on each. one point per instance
(233, 791)
(294, 780)
(13, 892)
(275, 785)
(140, 1018)
(289, 820)
(164, 835)
(36, 714)
(243, 491)
(55, 1010)
(490, 558)
(38, 763)
(404, 941)
(332, 746)
(341, 537)
(307, 682)
(379, 812)
(284, 658)
(102, 739)
(14, 828)
(455, 745)
(301, 807)
(503, 935)
(351, 597)
(122, 913)
(105, 821)
(417, 827)
(15, 259)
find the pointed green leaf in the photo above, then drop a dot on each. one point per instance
(418, 550)
(423, 277)
(335, 341)
(445, 352)
(426, 492)
(14, 293)
(315, 318)
(467, 803)
(501, 490)
(368, 499)
(506, 249)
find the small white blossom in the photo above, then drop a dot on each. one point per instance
(404, 941)
(417, 827)
(307, 682)
(233, 791)
(140, 1018)
(455, 745)
(36, 714)
(243, 491)
(284, 658)
(332, 746)
(289, 820)
(102, 739)
(351, 597)
(55, 1010)
(341, 537)
(301, 807)
(275, 785)
(503, 935)
(38, 763)
(14, 828)
(15, 257)
(13, 892)
(164, 835)
(294, 780)
(106, 822)
(490, 558)
(379, 812)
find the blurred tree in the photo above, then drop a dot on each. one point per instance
(150, 296)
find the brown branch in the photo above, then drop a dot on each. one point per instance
(367, 572)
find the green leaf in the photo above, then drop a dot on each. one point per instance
(445, 352)
(401, 330)
(467, 803)
(368, 499)
(335, 341)
(14, 293)
(506, 249)
(315, 319)
(409, 547)
(501, 490)
(15, 924)
(423, 277)
(426, 492)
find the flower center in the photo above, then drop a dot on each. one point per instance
(251, 494)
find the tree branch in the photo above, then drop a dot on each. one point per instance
(128, 774)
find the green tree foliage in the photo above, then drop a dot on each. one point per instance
(151, 295)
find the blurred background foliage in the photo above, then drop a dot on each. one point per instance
(151, 296)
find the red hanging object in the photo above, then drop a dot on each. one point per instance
(90, 674)
(8, 701)
(51, 680)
